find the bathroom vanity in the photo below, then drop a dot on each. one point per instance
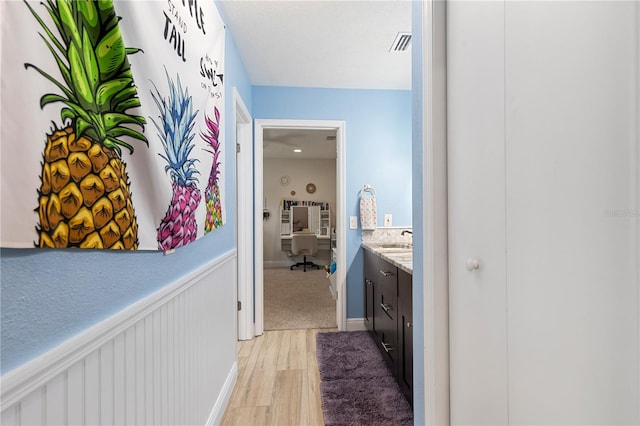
(388, 307)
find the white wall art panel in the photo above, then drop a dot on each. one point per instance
(92, 82)
(168, 359)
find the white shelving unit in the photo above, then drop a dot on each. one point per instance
(325, 222)
(285, 222)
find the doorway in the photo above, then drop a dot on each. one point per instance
(338, 127)
(299, 196)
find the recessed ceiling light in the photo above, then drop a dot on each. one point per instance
(297, 150)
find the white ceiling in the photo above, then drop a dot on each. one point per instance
(321, 43)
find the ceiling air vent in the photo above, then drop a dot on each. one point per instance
(401, 43)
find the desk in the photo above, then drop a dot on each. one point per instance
(324, 242)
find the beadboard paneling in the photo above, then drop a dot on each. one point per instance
(168, 359)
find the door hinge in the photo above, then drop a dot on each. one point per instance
(239, 305)
(237, 147)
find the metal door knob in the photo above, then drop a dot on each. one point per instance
(473, 264)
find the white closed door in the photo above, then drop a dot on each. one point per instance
(544, 225)
(475, 94)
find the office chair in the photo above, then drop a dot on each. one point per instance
(306, 244)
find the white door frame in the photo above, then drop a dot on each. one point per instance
(341, 261)
(434, 236)
(243, 125)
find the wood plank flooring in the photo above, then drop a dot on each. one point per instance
(278, 381)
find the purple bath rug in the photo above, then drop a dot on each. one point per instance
(349, 355)
(357, 387)
(375, 401)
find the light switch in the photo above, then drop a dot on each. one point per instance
(387, 219)
(353, 222)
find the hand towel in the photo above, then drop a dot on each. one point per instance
(368, 213)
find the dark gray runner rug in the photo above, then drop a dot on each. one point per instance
(356, 386)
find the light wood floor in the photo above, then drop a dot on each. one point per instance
(278, 381)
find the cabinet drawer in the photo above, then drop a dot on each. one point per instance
(388, 341)
(387, 287)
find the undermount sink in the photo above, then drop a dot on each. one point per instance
(401, 256)
(393, 246)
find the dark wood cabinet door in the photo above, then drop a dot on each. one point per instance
(405, 334)
(369, 300)
(370, 269)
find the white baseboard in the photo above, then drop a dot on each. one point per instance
(356, 324)
(215, 418)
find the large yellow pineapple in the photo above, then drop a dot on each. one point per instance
(84, 198)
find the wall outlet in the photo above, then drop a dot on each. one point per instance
(353, 222)
(388, 219)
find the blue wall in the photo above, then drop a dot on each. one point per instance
(378, 145)
(48, 296)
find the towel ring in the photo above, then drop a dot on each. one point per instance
(367, 188)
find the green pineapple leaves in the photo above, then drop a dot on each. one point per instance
(79, 78)
(111, 53)
(98, 86)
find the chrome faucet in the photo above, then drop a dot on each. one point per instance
(406, 231)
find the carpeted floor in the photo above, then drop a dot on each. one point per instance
(297, 300)
(356, 386)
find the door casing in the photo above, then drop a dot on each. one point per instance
(244, 181)
(341, 261)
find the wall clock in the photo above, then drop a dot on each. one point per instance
(311, 188)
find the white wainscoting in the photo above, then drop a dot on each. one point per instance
(167, 359)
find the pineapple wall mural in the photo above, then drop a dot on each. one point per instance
(175, 129)
(84, 199)
(213, 219)
(81, 165)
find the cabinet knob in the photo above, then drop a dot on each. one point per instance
(473, 264)
(408, 324)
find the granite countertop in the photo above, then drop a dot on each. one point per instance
(398, 254)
